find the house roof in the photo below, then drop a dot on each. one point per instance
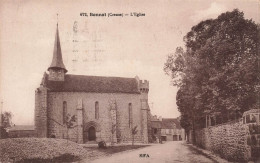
(171, 123)
(156, 124)
(97, 84)
(21, 127)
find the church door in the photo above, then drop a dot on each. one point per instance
(91, 133)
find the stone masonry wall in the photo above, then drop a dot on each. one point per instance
(40, 114)
(149, 126)
(104, 122)
(253, 140)
(144, 120)
(228, 140)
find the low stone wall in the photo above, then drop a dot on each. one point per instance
(21, 133)
(253, 140)
(227, 140)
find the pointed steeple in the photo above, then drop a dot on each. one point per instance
(57, 62)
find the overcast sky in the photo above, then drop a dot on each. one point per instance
(107, 46)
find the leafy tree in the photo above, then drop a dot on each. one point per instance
(226, 48)
(134, 132)
(70, 122)
(6, 118)
(6, 121)
(218, 72)
(113, 130)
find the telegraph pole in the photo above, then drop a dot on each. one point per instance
(151, 105)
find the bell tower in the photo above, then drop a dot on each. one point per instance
(57, 69)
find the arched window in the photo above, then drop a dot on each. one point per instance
(96, 110)
(130, 113)
(64, 111)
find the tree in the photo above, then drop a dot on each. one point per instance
(134, 132)
(6, 118)
(218, 71)
(6, 121)
(226, 48)
(70, 123)
(113, 130)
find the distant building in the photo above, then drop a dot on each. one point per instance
(19, 131)
(156, 131)
(171, 130)
(166, 129)
(100, 104)
(156, 126)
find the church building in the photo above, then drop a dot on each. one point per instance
(105, 108)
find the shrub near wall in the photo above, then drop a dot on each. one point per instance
(228, 140)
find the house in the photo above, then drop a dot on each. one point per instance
(156, 126)
(171, 130)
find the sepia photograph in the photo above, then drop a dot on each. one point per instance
(130, 81)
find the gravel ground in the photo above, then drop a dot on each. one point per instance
(60, 150)
(53, 150)
(170, 152)
(208, 154)
(96, 153)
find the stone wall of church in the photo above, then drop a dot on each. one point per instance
(40, 113)
(103, 124)
(149, 126)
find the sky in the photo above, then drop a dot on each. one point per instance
(105, 46)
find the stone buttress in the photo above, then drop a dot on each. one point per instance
(144, 89)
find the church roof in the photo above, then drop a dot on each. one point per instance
(96, 84)
(57, 61)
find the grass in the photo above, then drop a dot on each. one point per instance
(40, 150)
(62, 158)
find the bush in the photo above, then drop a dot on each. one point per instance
(3, 133)
(39, 150)
(102, 144)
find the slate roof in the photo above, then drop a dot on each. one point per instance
(57, 61)
(96, 84)
(168, 123)
(21, 127)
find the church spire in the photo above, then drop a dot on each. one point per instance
(57, 62)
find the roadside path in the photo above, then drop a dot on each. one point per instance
(170, 152)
